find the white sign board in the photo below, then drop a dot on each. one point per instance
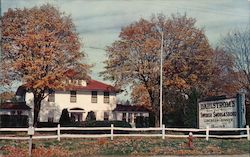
(218, 114)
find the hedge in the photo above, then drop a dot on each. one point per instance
(14, 121)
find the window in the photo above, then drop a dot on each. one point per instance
(94, 96)
(106, 97)
(135, 115)
(50, 119)
(106, 116)
(124, 117)
(19, 112)
(141, 114)
(79, 82)
(51, 96)
(13, 112)
(72, 96)
(51, 116)
(129, 117)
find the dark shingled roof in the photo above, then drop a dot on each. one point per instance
(92, 85)
(133, 108)
(14, 106)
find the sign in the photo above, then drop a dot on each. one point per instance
(218, 114)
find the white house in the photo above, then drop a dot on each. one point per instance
(79, 97)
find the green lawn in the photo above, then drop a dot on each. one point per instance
(125, 146)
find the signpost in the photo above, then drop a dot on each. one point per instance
(224, 113)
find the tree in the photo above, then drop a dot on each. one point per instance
(182, 101)
(39, 45)
(64, 119)
(91, 116)
(224, 81)
(237, 43)
(134, 59)
(139, 96)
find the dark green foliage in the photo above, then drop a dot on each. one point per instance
(107, 124)
(151, 119)
(14, 121)
(46, 124)
(190, 115)
(91, 116)
(94, 124)
(64, 119)
(142, 122)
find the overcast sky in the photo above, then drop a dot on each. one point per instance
(99, 21)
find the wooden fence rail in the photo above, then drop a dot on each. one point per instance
(155, 132)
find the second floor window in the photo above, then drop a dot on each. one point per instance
(72, 96)
(94, 96)
(51, 97)
(106, 97)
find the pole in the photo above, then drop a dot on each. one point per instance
(161, 80)
(112, 132)
(30, 145)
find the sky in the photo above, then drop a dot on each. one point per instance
(99, 22)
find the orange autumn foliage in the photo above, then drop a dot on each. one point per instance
(38, 46)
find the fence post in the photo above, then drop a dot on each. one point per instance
(31, 132)
(248, 133)
(112, 131)
(207, 133)
(163, 131)
(58, 132)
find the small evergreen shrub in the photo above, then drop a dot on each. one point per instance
(64, 119)
(91, 116)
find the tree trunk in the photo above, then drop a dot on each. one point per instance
(155, 105)
(37, 107)
(157, 120)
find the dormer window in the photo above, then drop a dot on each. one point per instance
(80, 82)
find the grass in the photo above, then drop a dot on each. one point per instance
(124, 146)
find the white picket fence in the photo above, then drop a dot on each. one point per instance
(141, 132)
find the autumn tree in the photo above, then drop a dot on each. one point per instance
(183, 101)
(38, 46)
(225, 76)
(134, 59)
(237, 43)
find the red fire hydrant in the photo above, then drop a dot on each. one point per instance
(190, 140)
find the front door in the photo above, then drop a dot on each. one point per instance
(76, 116)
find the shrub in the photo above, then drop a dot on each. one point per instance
(91, 116)
(65, 119)
(98, 124)
(14, 121)
(46, 124)
(142, 122)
